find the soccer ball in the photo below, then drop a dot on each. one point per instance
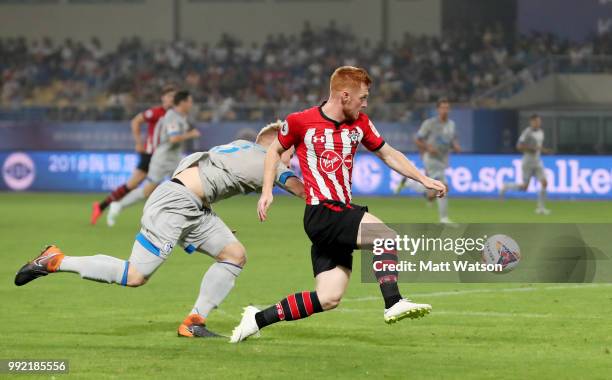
(501, 249)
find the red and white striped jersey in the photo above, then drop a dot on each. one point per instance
(326, 150)
(152, 116)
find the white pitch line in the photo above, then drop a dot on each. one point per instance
(493, 314)
(463, 313)
(489, 290)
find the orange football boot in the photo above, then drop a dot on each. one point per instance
(47, 262)
(96, 213)
(194, 326)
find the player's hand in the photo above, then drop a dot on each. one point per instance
(432, 150)
(139, 147)
(436, 186)
(194, 133)
(262, 206)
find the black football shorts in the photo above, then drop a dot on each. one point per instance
(332, 228)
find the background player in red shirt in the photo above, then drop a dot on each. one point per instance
(144, 149)
(326, 139)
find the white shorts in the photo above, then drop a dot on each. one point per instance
(531, 170)
(172, 216)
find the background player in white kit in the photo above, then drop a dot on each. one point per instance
(437, 138)
(530, 143)
(178, 213)
(171, 132)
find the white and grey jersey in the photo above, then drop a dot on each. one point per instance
(533, 139)
(231, 169)
(171, 124)
(440, 135)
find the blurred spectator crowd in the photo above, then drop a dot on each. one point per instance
(234, 81)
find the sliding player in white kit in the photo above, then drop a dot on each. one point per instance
(531, 144)
(178, 213)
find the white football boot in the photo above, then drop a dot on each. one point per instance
(113, 212)
(406, 309)
(542, 211)
(448, 222)
(247, 327)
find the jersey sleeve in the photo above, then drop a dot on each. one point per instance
(372, 140)
(150, 114)
(523, 137)
(290, 132)
(424, 131)
(454, 136)
(173, 128)
(283, 173)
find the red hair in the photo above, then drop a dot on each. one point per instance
(348, 77)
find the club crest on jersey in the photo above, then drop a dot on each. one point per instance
(284, 128)
(330, 161)
(318, 139)
(354, 136)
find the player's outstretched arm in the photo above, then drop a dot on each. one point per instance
(525, 148)
(398, 162)
(456, 146)
(422, 145)
(191, 134)
(135, 125)
(273, 156)
(296, 187)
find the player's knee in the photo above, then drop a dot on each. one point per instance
(329, 299)
(372, 229)
(330, 302)
(385, 232)
(234, 253)
(135, 278)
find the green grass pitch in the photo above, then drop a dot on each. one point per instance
(503, 331)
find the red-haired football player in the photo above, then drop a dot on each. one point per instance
(326, 140)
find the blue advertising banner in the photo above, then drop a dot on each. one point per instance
(480, 175)
(65, 171)
(469, 175)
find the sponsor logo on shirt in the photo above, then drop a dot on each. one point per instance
(318, 139)
(330, 161)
